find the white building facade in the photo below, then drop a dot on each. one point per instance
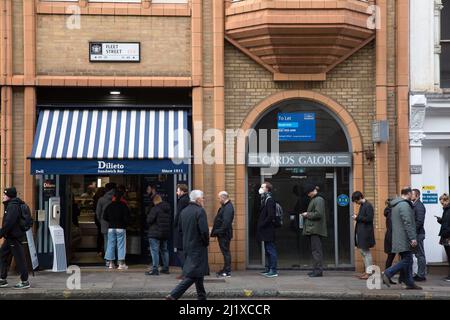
(430, 111)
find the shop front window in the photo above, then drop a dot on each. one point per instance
(324, 135)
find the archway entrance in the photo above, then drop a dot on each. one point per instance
(314, 148)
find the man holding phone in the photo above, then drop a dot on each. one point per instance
(404, 239)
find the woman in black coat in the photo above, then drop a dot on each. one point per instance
(364, 233)
(444, 232)
(159, 231)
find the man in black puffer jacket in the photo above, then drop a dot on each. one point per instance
(13, 234)
(159, 221)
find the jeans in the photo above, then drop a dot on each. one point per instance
(105, 242)
(157, 246)
(13, 247)
(419, 252)
(271, 256)
(180, 255)
(116, 238)
(181, 288)
(224, 245)
(317, 253)
(404, 266)
(367, 256)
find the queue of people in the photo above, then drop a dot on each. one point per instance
(405, 233)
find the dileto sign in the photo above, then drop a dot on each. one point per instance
(110, 166)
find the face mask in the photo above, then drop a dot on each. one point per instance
(261, 191)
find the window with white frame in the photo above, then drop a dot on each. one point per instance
(445, 45)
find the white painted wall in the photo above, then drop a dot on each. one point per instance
(435, 172)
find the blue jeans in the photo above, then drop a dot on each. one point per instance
(271, 256)
(156, 246)
(116, 238)
(404, 266)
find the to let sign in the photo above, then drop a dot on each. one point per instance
(114, 52)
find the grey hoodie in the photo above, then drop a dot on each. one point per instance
(403, 225)
(102, 203)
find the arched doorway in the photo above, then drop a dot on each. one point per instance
(309, 133)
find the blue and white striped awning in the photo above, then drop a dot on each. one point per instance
(111, 134)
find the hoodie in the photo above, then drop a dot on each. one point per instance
(11, 224)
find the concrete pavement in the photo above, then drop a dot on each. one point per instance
(100, 283)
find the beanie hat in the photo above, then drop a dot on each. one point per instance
(309, 188)
(11, 192)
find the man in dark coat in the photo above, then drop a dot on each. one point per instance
(13, 234)
(194, 225)
(364, 233)
(265, 231)
(419, 251)
(223, 230)
(404, 239)
(183, 202)
(159, 222)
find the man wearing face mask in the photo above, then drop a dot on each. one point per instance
(266, 229)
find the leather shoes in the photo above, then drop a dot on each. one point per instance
(364, 276)
(315, 275)
(414, 287)
(419, 279)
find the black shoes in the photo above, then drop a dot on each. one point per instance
(387, 280)
(419, 279)
(165, 271)
(315, 274)
(3, 283)
(414, 287)
(152, 273)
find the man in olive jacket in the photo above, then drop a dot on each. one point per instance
(404, 239)
(194, 225)
(315, 227)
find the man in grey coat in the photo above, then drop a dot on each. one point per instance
(404, 239)
(102, 203)
(419, 251)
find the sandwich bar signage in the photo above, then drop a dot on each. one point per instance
(114, 51)
(300, 160)
(107, 166)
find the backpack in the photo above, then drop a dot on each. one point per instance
(278, 222)
(25, 219)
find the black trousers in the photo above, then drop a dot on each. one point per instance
(447, 251)
(390, 260)
(317, 253)
(185, 284)
(13, 248)
(224, 245)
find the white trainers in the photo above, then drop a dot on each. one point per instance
(122, 267)
(111, 265)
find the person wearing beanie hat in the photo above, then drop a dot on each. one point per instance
(315, 227)
(309, 188)
(11, 192)
(13, 234)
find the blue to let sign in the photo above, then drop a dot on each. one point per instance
(430, 198)
(299, 126)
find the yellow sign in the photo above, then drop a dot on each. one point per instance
(428, 188)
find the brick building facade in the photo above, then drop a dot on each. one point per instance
(235, 72)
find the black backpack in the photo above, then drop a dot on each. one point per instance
(278, 222)
(25, 219)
